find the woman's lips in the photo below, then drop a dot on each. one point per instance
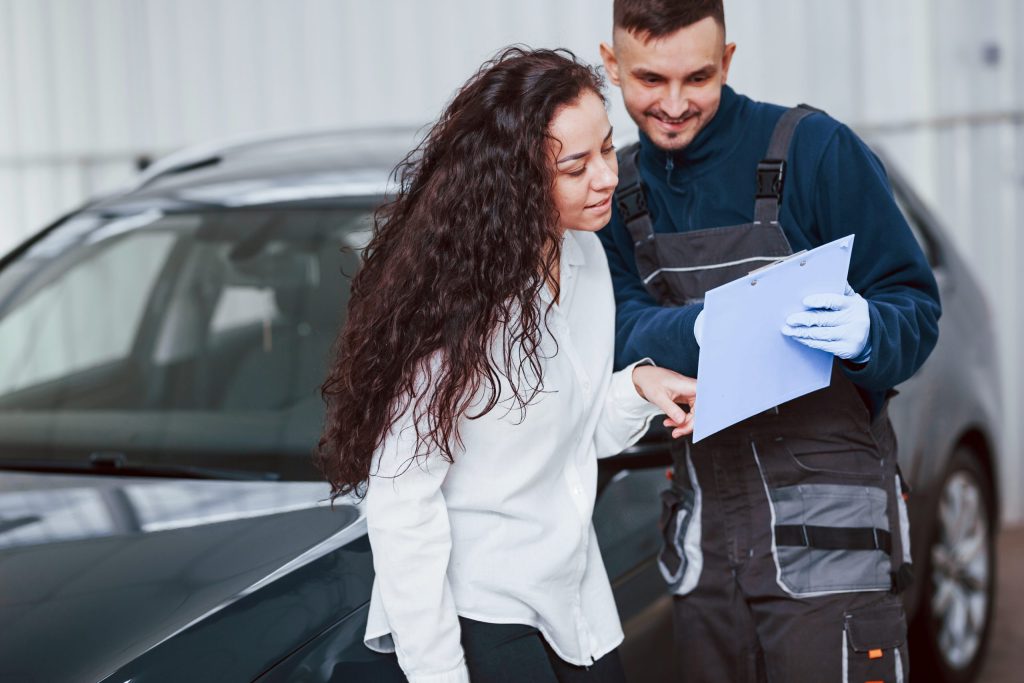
(601, 205)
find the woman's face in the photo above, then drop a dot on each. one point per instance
(586, 170)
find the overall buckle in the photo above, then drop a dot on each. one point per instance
(632, 203)
(770, 176)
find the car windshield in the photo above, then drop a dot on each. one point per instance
(196, 339)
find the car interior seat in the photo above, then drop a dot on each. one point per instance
(290, 362)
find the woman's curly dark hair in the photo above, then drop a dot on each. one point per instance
(458, 256)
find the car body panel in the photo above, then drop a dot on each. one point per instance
(174, 579)
(955, 395)
(123, 572)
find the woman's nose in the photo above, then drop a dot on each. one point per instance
(606, 178)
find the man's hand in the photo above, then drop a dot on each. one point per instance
(667, 389)
(837, 323)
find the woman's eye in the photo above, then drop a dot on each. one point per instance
(577, 174)
(608, 150)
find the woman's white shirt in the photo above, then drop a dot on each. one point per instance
(504, 535)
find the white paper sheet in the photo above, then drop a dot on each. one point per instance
(746, 364)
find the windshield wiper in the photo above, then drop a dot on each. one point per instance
(117, 464)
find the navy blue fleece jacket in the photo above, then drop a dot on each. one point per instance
(834, 186)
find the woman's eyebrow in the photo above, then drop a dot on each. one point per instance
(580, 155)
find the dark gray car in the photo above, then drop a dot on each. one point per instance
(160, 519)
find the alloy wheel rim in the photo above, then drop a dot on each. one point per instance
(961, 570)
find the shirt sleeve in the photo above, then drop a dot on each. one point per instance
(888, 267)
(625, 416)
(643, 327)
(407, 523)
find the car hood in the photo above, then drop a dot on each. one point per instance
(95, 571)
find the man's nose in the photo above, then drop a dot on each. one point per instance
(674, 104)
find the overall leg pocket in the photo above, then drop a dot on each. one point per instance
(677, 506)
(875, 643)
(681, 560)
(830, 524)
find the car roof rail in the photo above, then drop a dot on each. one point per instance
(198, 156)
(210, 154)
(183, 167)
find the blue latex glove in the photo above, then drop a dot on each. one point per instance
(698, 328)
(837, 323)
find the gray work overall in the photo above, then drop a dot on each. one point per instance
(785, 536)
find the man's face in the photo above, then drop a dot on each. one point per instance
(671, 85)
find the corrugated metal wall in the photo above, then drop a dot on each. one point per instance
(86, 86)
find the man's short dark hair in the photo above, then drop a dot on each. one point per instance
(652, 19)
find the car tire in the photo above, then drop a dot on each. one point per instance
(950, 633)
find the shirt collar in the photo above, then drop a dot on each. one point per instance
(572, 255)
(571, 252)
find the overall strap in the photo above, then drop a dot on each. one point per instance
(629, 196)
(631, 200)
(771, 171)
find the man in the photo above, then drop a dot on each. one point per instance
(786, 540)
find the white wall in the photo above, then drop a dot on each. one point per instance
(87, 85)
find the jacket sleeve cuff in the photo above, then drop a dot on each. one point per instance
(625, 395)
(861, 371)
(459, 674)
(865, 355)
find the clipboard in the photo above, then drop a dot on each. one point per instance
(747, 366)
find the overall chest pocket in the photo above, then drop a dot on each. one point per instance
(826, 462)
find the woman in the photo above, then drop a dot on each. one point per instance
(473, 386)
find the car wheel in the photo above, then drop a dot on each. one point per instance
(950, 633)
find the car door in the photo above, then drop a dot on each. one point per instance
(626, 521)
